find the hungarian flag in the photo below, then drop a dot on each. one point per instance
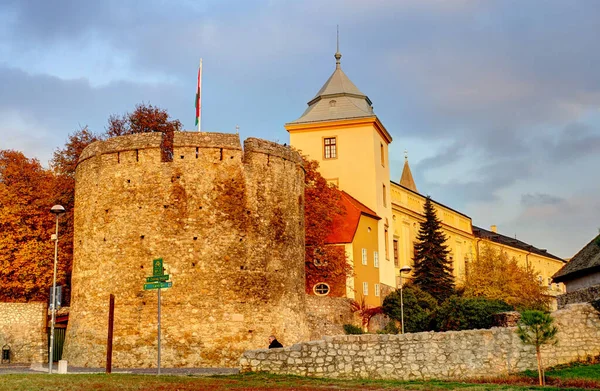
(199, 95)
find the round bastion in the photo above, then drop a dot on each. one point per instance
(228, 223)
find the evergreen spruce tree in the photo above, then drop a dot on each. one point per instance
(432, 270)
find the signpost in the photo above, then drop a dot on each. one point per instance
(158, 281)
(157, 278)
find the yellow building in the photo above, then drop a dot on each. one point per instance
(340, 130)
(359, 234)
(463, 239)
(407, 205)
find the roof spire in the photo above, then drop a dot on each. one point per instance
(338, 55)
(407, 179)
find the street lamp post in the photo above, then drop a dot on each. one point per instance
(56, 210)
(403, 269)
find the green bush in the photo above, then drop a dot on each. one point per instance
(352, 329)
(390, 328)
(419, 309)
(465, 313)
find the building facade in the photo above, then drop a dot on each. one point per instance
(340, 130)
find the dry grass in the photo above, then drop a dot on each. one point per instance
(260, 381)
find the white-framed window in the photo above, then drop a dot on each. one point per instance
(377, 290)
(365, 289)
(321, 289)
(330, 147)
(375, 259)
(364, 256)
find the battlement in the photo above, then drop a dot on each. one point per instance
(183, 141)
(270, 148)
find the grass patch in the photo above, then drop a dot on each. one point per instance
(591, 372)
(244, 382)
(583, 374)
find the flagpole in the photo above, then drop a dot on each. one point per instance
(200, 97)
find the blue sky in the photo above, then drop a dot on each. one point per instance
(496, 101)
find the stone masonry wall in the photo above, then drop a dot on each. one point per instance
(431, 355)
(23, 328)
(327, 315)
(586, 295)
(229, 224)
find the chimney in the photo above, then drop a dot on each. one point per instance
(494, 229)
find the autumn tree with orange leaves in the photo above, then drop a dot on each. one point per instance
(63, 164)
(495, 276)
(323, 262)
(146, 119)
(27, 192)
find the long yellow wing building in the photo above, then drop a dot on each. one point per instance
(340, 130)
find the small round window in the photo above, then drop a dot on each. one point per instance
(321, 289)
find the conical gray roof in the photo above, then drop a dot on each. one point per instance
(339, 98)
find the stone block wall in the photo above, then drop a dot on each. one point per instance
(431, 355)
(586, 295)
(23, 328)
(327, 315)
(229, 224)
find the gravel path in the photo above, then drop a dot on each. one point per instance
(37, 368)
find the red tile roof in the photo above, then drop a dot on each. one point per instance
(345, 228)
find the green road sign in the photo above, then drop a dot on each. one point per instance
(164, 277)
(157, 267)
(157, 285)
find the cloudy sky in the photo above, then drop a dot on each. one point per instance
(496, 101)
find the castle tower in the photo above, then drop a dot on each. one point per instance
(340, 130)
(228, 222)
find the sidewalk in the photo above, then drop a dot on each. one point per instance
(6, 369)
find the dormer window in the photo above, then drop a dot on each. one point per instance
(332, 103)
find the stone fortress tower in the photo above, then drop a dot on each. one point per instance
(229, 224)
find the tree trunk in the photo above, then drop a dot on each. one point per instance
(543, 371)
(539, 362)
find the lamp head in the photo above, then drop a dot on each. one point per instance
(57, 210)
(405, 269)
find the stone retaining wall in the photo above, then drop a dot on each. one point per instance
(327, 315)
(429, 355)
(581, 296)
(23, 329)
